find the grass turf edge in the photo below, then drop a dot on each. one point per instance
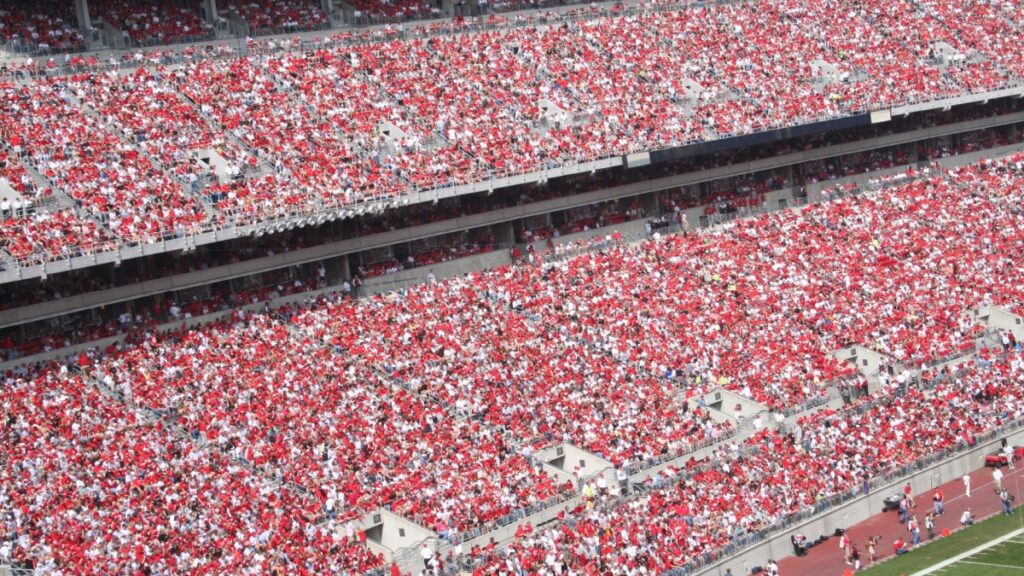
(943, 548)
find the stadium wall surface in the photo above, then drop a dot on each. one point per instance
(407, 278)
(760, 138)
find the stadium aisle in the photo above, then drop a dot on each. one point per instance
(827, 559)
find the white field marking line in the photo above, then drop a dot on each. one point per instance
(969, 553)
(990, 564)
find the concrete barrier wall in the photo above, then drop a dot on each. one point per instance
(867, 361)
(407, 278)
(399, 532)
(577, 463)
(561, 476)
(378, 549)
(726, 412)
(627, 229)
(996, 317)
(720, 415)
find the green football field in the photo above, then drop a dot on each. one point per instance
(1005, 558)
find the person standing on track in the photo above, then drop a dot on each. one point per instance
(915, 530)
(1007, 500)
(871, 545)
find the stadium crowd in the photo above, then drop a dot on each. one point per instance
(112, 180)
(39, 25)
(370, 445)
(101, 490)
(506, 375)
(61, 232)
(744, 190)
(386, 10)
(690, 514)
(253, 445)
(354, 120)
(447, 391)
(278, 16)
(147, 23)
(855, 270)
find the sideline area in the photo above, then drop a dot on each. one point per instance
(826, 559)
(994, 551)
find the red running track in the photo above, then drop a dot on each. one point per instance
(826, 559)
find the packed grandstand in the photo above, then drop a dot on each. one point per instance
(297, 423)
(306, 127)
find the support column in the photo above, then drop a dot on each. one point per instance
(910, 149)
(650, 204)
(327, 6)
(504, 234)
(336, 268)
(210, 7)
(342, 266)
(82, 14)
